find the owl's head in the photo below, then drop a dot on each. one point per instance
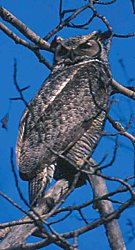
(80, 48)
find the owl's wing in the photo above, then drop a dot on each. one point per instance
(62, 111)
(21, 135)
(50, 89)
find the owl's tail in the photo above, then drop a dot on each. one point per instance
(39, 183)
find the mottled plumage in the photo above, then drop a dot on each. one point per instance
(67, 114)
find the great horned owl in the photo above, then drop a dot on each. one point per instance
(67, 115)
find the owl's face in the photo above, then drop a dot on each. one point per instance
(78, 48)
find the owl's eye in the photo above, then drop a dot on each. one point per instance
(85, 46)
(90, 48)
(62, 51)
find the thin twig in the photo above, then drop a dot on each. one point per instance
(124, 36)
(104, 3)
(65, 22)
(13, 203)
(113, 158)
(101, 221)
(23, 42)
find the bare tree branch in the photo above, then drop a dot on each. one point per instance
(65, 22)
(27, 32)
(23, 42)
(18, 234)
(123, 90)
(117, 125)
(96, 223)
(105, 208)
(34, 222)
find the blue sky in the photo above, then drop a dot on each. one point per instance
(41, 16)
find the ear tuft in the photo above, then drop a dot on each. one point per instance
(105, 35)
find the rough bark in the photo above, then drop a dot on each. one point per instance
(105, 207)
(19, 233)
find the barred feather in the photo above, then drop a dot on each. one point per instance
(67, 115)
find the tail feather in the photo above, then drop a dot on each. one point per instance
(39, 183)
